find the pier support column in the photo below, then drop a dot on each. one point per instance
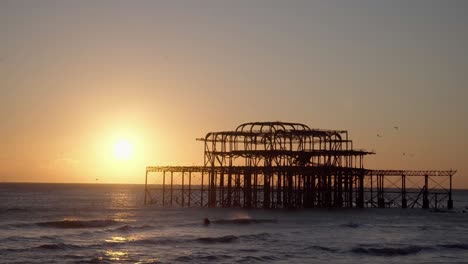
(247, 190)
(172, 187)
(266, 190)
(350, 190)
(278, 190)
(339, 191)
(189, 188)
(426, 193)
(229, 189)
(380, 192)
(146, 187)
(360, 199)
(450, 201)
(164, 189)
(183, 191)
(212, 189)
(404, 203)
(221, 187)
(313, 192)
(201, 188)
(290, 190)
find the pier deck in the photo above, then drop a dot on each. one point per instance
(296, 187)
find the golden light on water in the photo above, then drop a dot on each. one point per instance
(116, 255)
(119, 239)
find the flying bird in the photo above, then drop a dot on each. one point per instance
(378, 135)
(396, 128)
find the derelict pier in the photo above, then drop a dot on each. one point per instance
(289, 165)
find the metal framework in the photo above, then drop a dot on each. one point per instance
(289, 165)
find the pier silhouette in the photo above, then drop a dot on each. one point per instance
(289, 165)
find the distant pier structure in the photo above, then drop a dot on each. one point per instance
(289, 165)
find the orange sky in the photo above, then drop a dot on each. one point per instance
(77, 77)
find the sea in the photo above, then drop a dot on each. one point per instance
(99, 223)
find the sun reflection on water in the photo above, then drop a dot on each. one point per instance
(119, 239)
(116, 255)
(123, 217)
(121, 199)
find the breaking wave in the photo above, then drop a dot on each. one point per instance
(202, 258)
(128, 228)
(232, 238)
(59, 246)
(243, 221)
(265, 258)
(454, 246)
(77, 223)
(222, 239)
(351, 225)
(388, 251)
(322, 248)
(259, 236)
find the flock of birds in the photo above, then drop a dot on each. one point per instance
(397, 128)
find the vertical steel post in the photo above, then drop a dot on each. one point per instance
(164, 188)
(450, 201)
(404, 203)
(372, 190)
(380, 191)
(189, 188)
(229, 188)
(351, 190)
(172, 185)
(247, 189)
(255, 190)
(201, 187)
(360, 200)
(266, 190)
(221, 187)
(183, 198)
(278, 189)
(426, 192)
(146, 186)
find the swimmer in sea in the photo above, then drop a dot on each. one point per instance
(206, 221)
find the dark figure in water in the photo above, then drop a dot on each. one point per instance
(206, 221)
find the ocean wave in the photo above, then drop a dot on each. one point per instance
(77, 223)
(351, 225)
(322, 248)
(259, 236)
(202, 258)
(204, 240)
(454, 246)
(223, 239)
(127, 228)
(250, 250)
(243, 221)
(14, 209)
(158, 241)
(389, 251)
(19, 225)
(59, 246)
(266, 258)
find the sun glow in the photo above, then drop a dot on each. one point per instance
(123, 150)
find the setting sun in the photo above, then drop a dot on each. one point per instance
(123, 150)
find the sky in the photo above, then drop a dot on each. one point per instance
(83, 81)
